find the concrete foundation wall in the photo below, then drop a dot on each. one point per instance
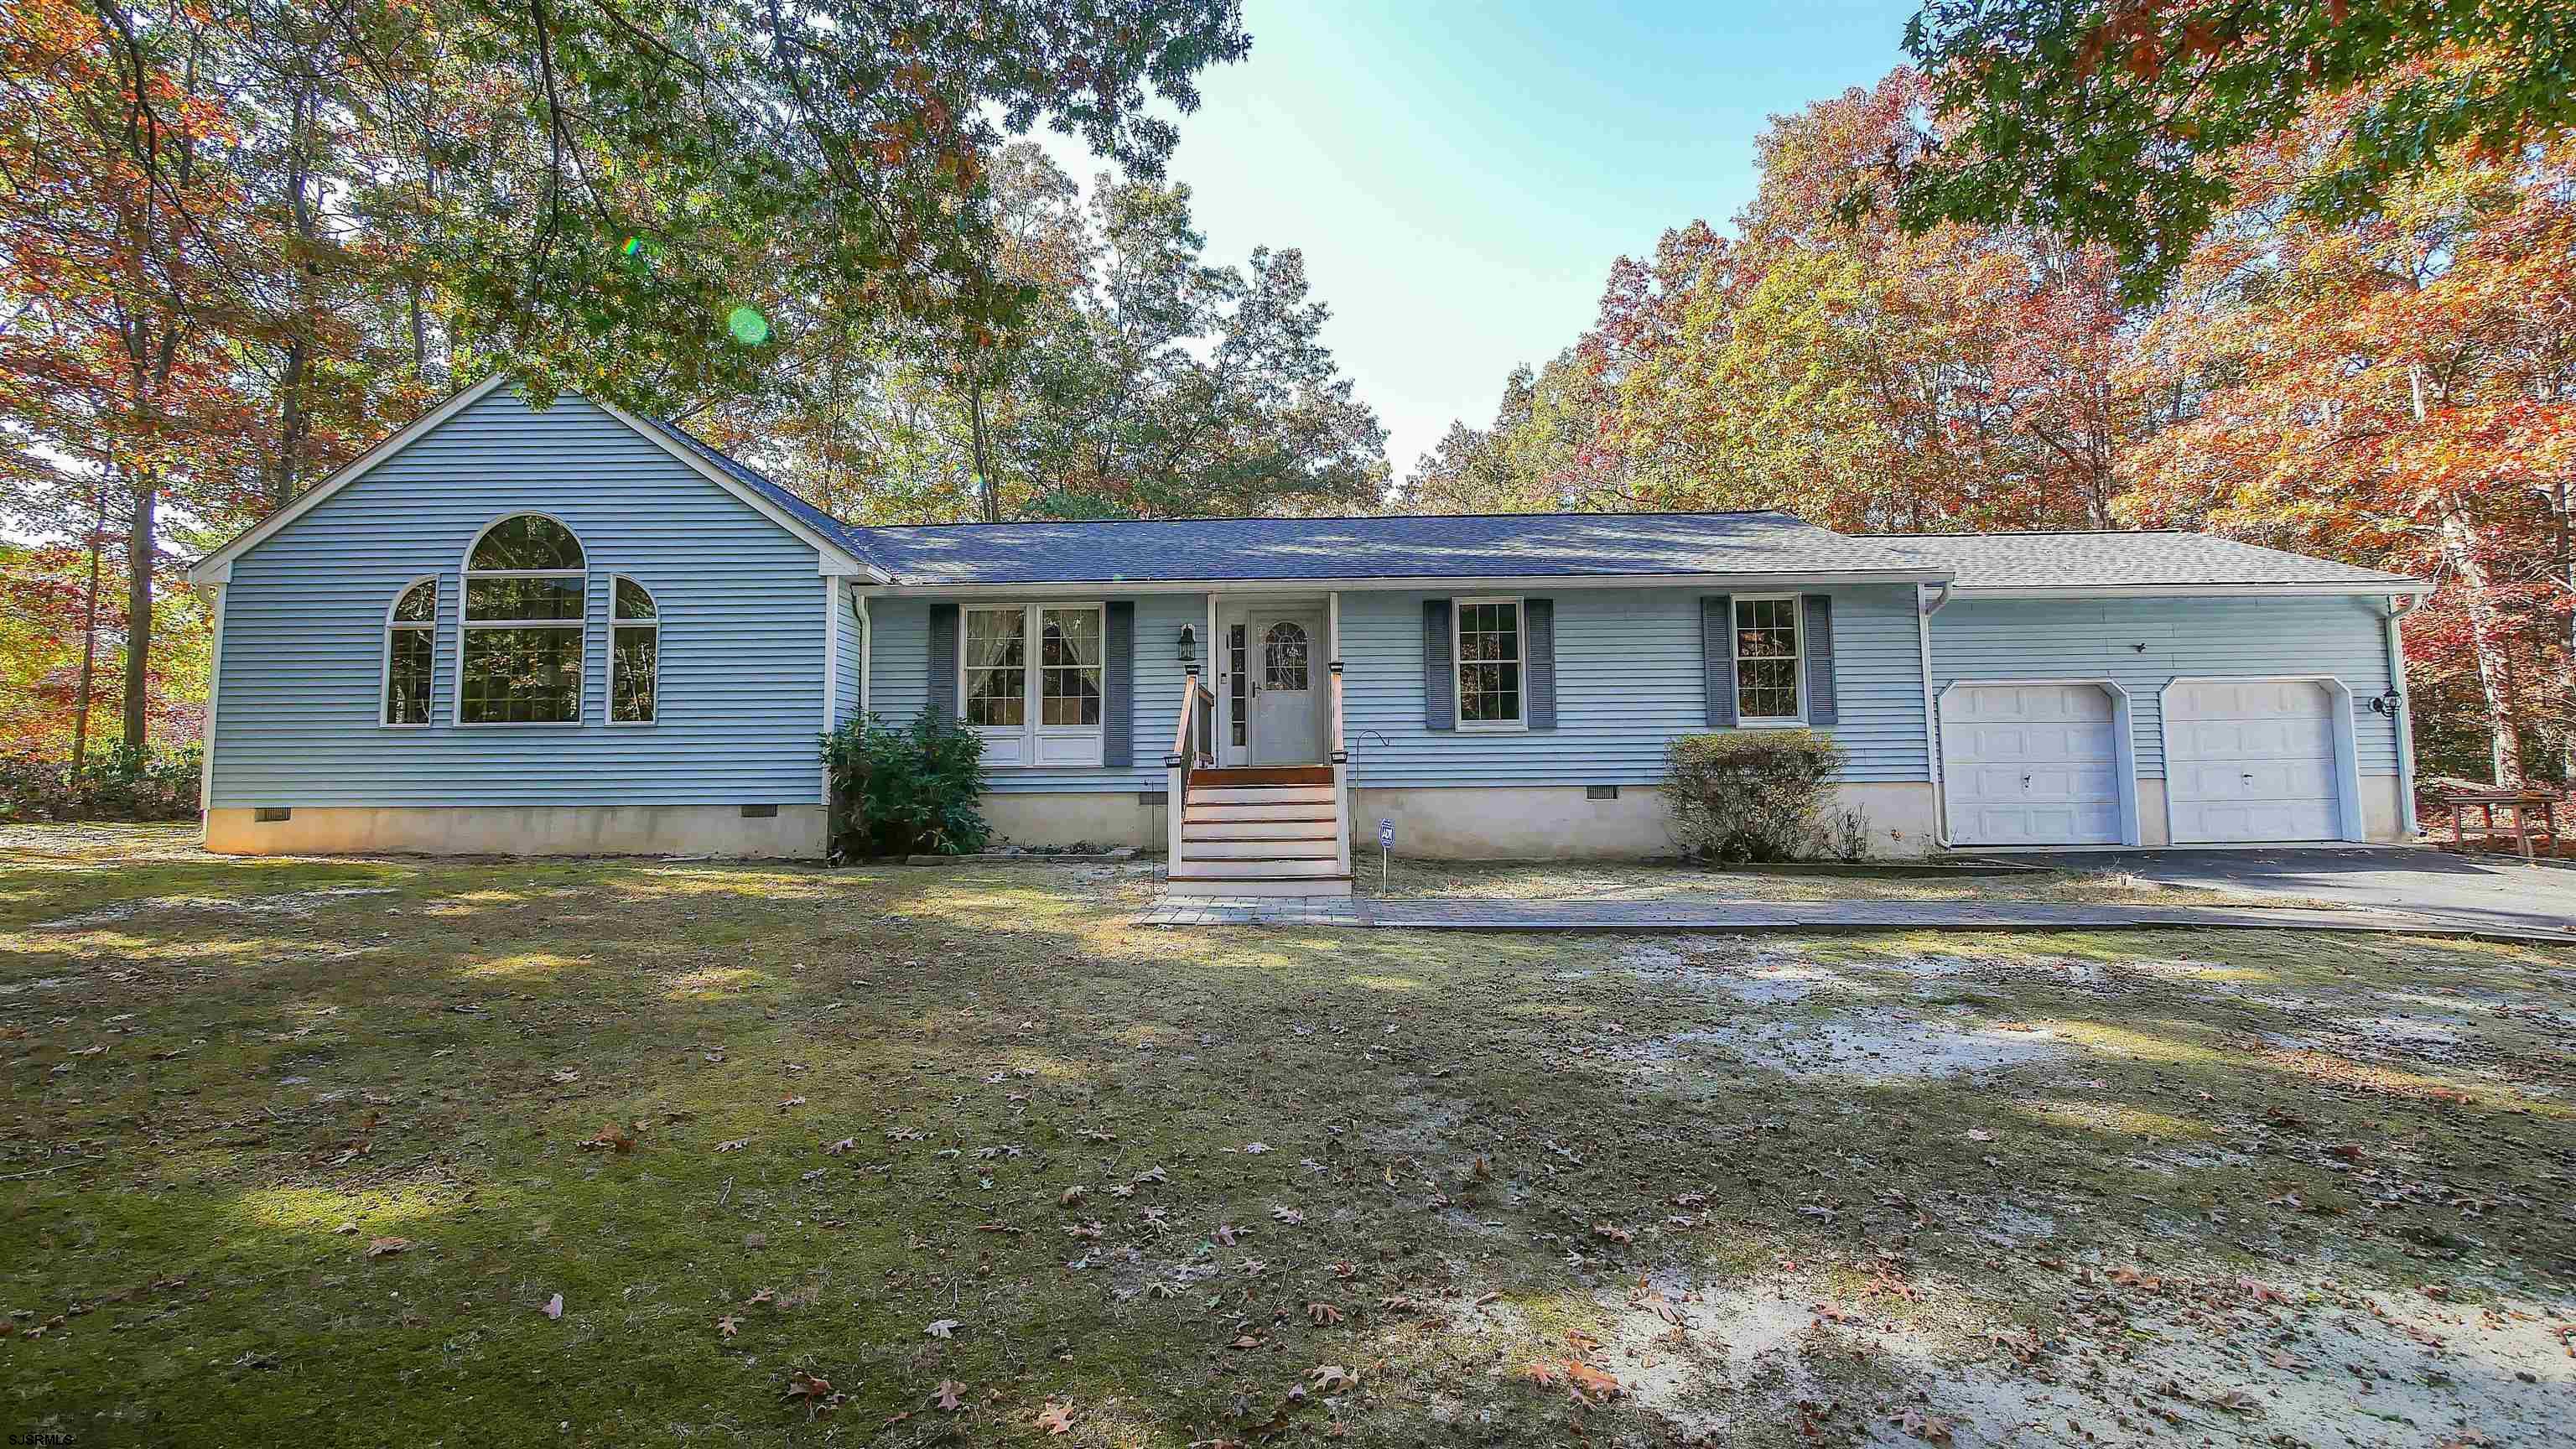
(1562, 823)
(794, 833)
(1109, 817)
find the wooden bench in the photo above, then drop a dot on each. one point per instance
(2462, 798)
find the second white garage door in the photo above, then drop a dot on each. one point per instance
(2252, 759)
(2030, 764)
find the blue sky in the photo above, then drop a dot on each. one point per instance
(1461, 176)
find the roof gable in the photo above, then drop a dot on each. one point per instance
(837, 547)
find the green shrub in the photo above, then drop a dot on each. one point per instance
(906, 790)
(1755, 795)
(116, 783)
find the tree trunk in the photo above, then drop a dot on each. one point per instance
(2567, 665)
(138, 613)
(292, 424)
(89, 643)
(985, 484)
(2460, 554)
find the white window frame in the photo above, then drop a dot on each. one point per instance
(1458, 666)
(1036, 745)
(385, 675)
(466, 574)
(1797, 661)
(608, 703)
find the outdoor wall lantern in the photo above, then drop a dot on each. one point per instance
(1189, 645)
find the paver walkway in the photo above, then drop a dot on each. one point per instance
(1462, 913)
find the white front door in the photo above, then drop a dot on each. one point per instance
(2253, 759)
(1285, 660)
(2030, 764)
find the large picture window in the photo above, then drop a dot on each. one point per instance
(1489, 664)
(411, 650)
(521, 662)
(1034, 706)
(1767, 661)
(634, 655)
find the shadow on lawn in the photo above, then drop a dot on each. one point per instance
(1442, 1117)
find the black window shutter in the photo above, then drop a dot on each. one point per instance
(1717, 657)
(1118, 686)
(1538, 623)
(1439, 668)
(1818, 620)
(943, 661)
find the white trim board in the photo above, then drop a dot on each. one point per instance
(2372, 589)
(216, 567)
(1536, 584)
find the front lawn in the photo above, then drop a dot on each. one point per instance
(611, 1152)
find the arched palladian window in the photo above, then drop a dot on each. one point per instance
(411, 634)
(522, 657)
(634, 655)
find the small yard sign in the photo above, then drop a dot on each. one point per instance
(1385, 843)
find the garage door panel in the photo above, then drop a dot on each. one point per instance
(2252, 760)
(2030, 764)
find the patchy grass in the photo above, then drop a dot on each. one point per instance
(1681, 882)
(2252, 1187)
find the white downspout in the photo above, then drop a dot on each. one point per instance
(867, 654)
(2399, 606)
(1928, 601)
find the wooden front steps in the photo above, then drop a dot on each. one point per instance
(1260, 831)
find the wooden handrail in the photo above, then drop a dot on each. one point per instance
(1182, 745)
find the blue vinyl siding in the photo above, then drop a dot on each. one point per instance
(2099, 639)
(902, 664)
(741, 686)
(1628, 679)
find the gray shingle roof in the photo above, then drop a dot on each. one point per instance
(852, 539)
(2120, 560)
(1542, 545)
(1532, 545)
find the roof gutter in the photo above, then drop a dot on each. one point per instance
(2361, 588)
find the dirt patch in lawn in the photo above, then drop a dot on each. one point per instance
(604, 1152)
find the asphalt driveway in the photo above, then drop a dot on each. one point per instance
(2427, 882)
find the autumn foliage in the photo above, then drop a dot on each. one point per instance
(2395, 389)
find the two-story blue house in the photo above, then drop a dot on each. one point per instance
(578, 630)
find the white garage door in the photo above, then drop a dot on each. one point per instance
(2030, 764)
(2251, 759)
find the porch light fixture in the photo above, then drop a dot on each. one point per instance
(1189, 644)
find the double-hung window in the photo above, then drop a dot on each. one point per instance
(1491, 651)
(1768, 662)
(1030, 679)
(521, 661)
